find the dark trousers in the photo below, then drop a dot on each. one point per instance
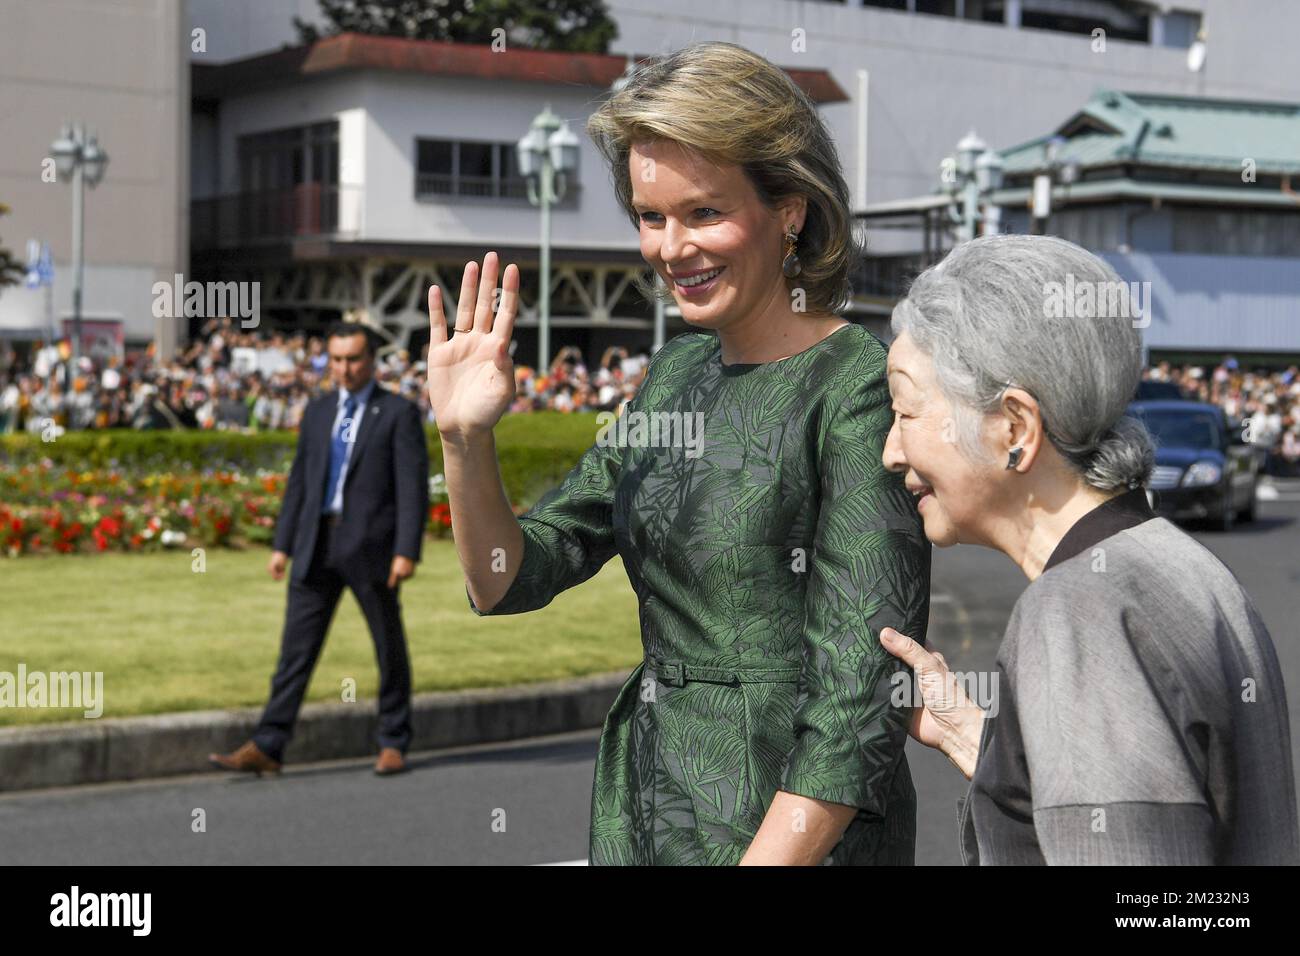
(311, 606)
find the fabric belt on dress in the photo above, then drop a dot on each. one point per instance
(675, 672)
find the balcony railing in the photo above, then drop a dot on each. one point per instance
(309, 210)
(508, 189)
(886, 277)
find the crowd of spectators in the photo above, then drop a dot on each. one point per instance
(229, 378)
(1265, 403)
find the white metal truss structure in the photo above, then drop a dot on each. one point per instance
(392, 294)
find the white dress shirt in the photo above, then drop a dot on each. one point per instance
(363, 396)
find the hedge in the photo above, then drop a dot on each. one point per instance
(536, 450)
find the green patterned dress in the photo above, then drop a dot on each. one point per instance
(765, 556)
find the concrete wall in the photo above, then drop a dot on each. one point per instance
(1216, 303)
(934, 78)
(122, 68)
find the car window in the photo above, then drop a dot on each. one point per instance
(1183, 429)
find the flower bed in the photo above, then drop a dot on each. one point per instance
(47, 509)
(122, 490)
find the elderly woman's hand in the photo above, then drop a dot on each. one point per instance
(947, 719)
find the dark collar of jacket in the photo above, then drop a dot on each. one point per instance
(1110, 517)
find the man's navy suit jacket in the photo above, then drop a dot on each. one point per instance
(385, 491)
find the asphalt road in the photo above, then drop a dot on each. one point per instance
(528, 802)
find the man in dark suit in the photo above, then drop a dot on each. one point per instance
(353, 516)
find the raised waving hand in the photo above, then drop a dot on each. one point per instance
(471, 377)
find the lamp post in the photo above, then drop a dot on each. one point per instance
(547, 155)
(1054, 171)
(976, 174)
(79, 155)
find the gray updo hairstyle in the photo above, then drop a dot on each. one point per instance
(990, 313)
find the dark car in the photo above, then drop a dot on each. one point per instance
(1203, 468)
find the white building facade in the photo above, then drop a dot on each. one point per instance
(354, 173)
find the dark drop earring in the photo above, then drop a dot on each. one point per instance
(790, 266)
(1014, 458)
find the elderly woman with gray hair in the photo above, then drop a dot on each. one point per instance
(1141, 717)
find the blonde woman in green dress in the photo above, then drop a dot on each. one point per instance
(766, 553)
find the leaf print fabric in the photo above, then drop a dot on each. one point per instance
(764, 566)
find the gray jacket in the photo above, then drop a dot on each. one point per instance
(1141, 713)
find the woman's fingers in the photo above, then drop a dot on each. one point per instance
(465, 304)
(478, 295)
(486, 293)
(504, 323)
(437, 317)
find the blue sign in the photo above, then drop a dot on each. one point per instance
(40, 267)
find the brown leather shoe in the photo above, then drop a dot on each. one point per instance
(390, 761)
(248, 758)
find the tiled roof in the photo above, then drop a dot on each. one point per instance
(1183, 132)
(356, 51)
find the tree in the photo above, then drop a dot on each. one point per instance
(11, 270)
(578, 26)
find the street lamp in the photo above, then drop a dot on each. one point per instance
(547, 155)
(78, 155)
(969, 149)
(976, 174)
(1054, 171)
(969, 180)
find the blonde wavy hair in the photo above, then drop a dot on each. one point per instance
(732, 106)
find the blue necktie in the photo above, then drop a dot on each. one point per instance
(339, 449)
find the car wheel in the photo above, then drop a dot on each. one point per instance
(1227, 514)
(1248, 513)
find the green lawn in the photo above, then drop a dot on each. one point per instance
(169, 639)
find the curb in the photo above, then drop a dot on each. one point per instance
(132, 748)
